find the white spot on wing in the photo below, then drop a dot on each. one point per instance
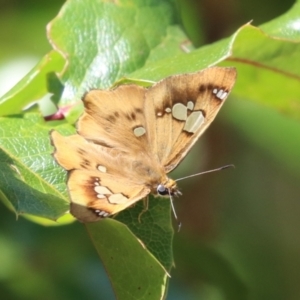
(100, 196)
(102, 190)
(159, 114)
(117, 199)
(101, 169)
(101, 213)
(179, 111)
(168, 110)
(190, 105)
(139, 131)
(194, 121)
(221, 94)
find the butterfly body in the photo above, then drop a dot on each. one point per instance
(129, 138)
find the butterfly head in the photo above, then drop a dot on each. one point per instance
(168, 188)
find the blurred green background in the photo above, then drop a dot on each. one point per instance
(239, 240)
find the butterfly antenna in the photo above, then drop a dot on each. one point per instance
(205, 172)
(174, 212)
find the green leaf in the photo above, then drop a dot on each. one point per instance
(134, 272)
(268, 62)
(286, 26)
(270, 69)
(111, 40)
(30, 181)
(153, 226)
(196, 60)
(33, 86)
(260, 60)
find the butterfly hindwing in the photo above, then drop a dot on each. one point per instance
(179, 108)
(95, 195)
(101, 181)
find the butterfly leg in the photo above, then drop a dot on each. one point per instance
(145, 208)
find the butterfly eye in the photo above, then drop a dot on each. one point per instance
(162, 190)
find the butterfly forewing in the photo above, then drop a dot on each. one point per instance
(130, 137)
(178, 109)
(115, 118)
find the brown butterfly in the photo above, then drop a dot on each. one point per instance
(130, 137)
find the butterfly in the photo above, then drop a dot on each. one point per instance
(129, 138)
